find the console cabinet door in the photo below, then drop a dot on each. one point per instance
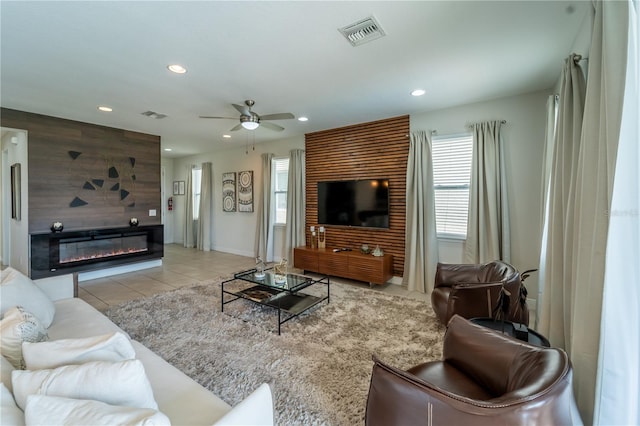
(336, 264)
(305, 259)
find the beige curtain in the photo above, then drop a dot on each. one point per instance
(488, 227)
(295, 203)
(205, 209)
(618, 377)
(189, 237)
(555, 312)
(421, 243)
(580, 199)
(264, 234)
(593, 191)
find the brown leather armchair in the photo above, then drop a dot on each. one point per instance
(475, 291)
(484, 378)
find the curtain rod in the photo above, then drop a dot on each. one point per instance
(469, 126)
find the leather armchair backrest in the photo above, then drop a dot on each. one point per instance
(496, 271)
(505, 367)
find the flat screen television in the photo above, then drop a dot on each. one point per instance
(362, 203)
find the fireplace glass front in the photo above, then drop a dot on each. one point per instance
(72, 250)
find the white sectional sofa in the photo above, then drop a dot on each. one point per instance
(178, 397)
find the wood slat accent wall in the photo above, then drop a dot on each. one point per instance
(377, 149)
(56, 178)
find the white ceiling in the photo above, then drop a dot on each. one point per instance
(65, 58)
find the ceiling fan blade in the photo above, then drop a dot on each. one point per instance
(280, 116)
(243, 109)
(272, 126)
(228, 118)
(236, 127)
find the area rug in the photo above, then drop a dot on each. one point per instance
(319, 368)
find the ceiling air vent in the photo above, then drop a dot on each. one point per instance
(362, 31)
(153, 114)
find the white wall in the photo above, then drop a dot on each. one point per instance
(233, 232)
(15, 232)
(524, 144)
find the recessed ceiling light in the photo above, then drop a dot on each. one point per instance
(226, 136)
(168, 149)
(418, 92)
(178, 69)
(303, 119)
(105, 108)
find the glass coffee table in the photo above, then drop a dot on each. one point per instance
(282, 292)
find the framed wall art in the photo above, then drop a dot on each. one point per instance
(245, 191)
(178, 187)
(229, 192)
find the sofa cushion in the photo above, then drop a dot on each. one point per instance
(53, 410)
(19, 326)
(10, 413)
(16, 289)
(111, 347)
(117, 383)
(5, 372)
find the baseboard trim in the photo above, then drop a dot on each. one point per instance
(123, 269)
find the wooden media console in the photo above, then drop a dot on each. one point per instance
(346, 264)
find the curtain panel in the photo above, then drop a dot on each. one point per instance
(189, 235)
(488, 235)
(421, 242)
(555, 310)
(295, 203)
(205, 208)
(264, 234)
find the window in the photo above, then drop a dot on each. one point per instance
(280, 179)
(451, 156)
(196, 179)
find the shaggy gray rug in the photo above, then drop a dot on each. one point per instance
(319, 368)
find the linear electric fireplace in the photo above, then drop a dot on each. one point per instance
(57, 253)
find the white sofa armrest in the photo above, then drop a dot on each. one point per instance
(58, 287)
(256, 409)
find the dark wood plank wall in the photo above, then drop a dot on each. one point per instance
(372, 150)
(56, 178)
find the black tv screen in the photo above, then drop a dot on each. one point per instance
(354, 203)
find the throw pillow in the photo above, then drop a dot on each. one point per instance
(117, 383)
(111, 347)
(10, 414)
(53, 410)
(5, 372)
(17, 289)
(16, 327)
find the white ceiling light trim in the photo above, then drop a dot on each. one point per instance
(303, 119)
(418, 92)
(105, 108)
(178, 69)
(363, 31)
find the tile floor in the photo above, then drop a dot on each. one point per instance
(183, 267)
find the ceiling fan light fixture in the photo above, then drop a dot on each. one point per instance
(250, 125)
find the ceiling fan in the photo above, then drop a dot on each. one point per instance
(250, 120)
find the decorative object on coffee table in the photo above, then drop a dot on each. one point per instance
(259, 268)
(280, 272)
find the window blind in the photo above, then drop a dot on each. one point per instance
(280, 178)
(451, 157)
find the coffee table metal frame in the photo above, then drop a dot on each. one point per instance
(285, 297)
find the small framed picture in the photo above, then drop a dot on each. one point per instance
(178, 187)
